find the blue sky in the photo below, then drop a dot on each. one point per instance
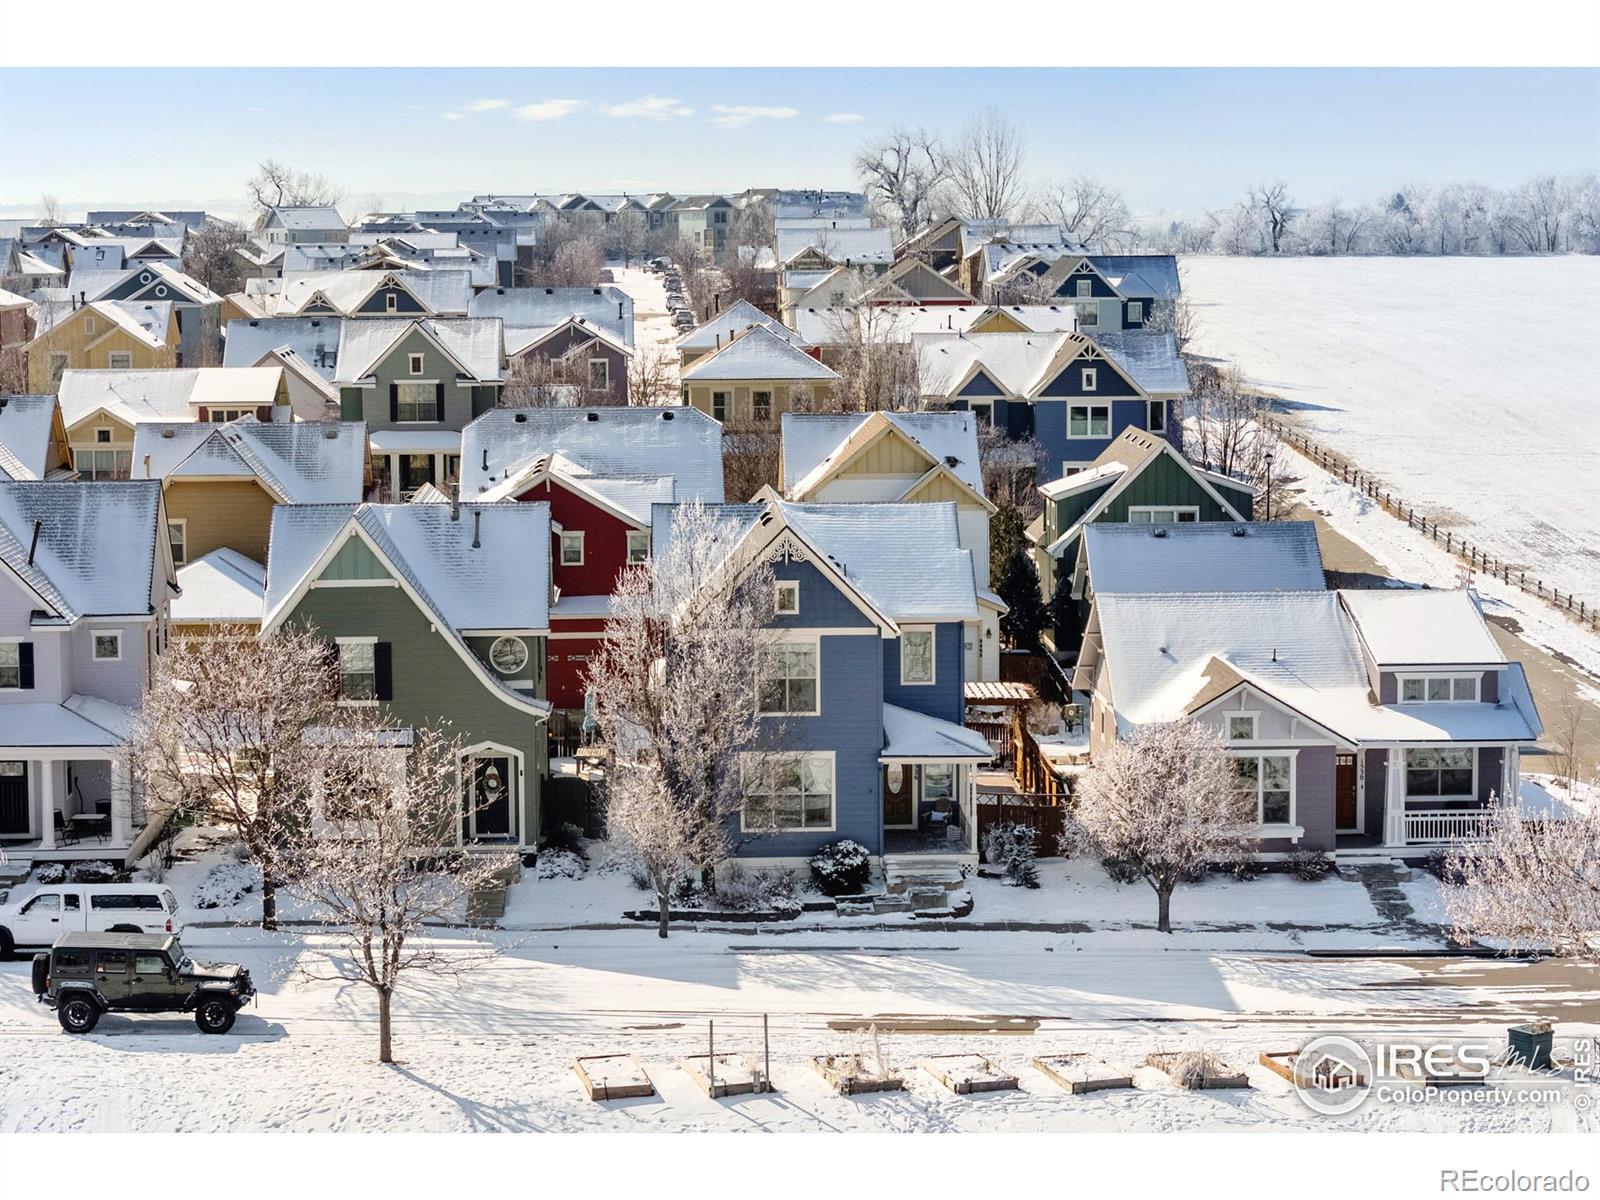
(1174, 140)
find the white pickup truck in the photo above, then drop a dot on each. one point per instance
(41, 917)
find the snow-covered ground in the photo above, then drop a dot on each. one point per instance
(1471, 385)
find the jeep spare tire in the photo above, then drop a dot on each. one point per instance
(41, 973)
(215, 1015)
(78, 1013)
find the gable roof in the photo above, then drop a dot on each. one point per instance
(1204, 556)
(1151, 276)
(97, 549)
(299, 462)
(896, 323)
(729, 323)
(757, 353)
(310, 217)
(1017, 362)
(815, 445)
(1150, 360)
(844, 246)
(535, 312)
(445, 292)
(148, 322)
(148, 276)
(172, 394)
(222, 587)
(29, 426)
(1404, 627)
(313, 340)
(472, 343)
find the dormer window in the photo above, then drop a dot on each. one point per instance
(1438, 689)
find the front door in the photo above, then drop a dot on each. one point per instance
(415, 470)
(1346, 809)
(899, 790)
(13, 798)
(492, 786)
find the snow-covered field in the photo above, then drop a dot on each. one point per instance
(1471, 385)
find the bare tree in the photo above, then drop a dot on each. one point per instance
(13, 371)
(367, 859)
(211, 255)
(986, 166)
(653, 376)
(1011, 468)
(678, 698)
(626, 236)
(874, 360)
(576, 263)
(1167, 803)
(903, 171)
(1534, 883)
(49, 210)
(1091, 213)
(1224, 430)
(1567, 734)
(223, 735)
(275, 185)
(1538, 210)
(544, 381)
(1276, 209)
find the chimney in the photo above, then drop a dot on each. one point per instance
(619, 310)
(34, 544)
(477, 528)
(147, 466)
(485, 466)
(455, 502)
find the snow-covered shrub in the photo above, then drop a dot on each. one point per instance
(50, 872)
(610, 856)
(225, 885)
(841, 868)
(739, 890)
(237, 851)
(1011, 848)
(566, 836)
(1243, 870)
(559, 864)
(1120, 870)
(1043, 718)
(94, 871)
(1440, 865)
(1308, 866)
(1190, 1068)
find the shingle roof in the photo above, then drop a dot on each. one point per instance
(473, 342)
(1015, 361)
(729, 323)
(814, 442)
(842, 246)
(315, 340)
(26, 428)
(534, 312)
(173, 394)
(1151, 360)
(300, 462)
(97, 548)
(221, 587)
(1206, 556)
(309, 217)
(1410, 627)
(758, 353)
(1157, 273)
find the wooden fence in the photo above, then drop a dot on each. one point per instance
(1479, 559)
(1043, 814)
(1033, 771)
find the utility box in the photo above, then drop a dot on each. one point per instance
(1530, 1044)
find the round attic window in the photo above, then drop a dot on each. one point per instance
(508, 655)
(144, 277)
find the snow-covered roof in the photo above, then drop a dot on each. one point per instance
(96, 551)
(909, 734)
(315, 340)
(1157, 274)
(889, 323)
(1096, 476)
(729, 323)
(758, 353)
(299, 462)
(814, 443)
(1042, 318)
(95, 283)
(1015, 361)
(611, 442)
(534, 312)
(843, 246)
(1204, 556)
(1151, 360)
(474, 343)
(27, 425)
(309, 217)
(1415, 627)
(445, 291)
(80, 721)
(223, 587)
(171, 394)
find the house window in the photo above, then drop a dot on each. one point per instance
(572, 548)
(1073, 468)
(220, 416)
(416, 402)
(719, 406)
(358, 671)
(1241, 727)
(58, 365)
(1438, 689)
(789, 792)
(89, 327)
(1156, 416)
(789, 680)
(1091, 379)
(1441, 773)
(1089, 420)
(1135, 312)
(599, 374)
(103, 464)
(102, 436)
(761, 406)
(1088, 316)
(1140, 514)
(638, 545)
(10, 664)
(391, 302)
(108, 646)
(178, 539)
(414, 363)
(1083, 289)
(916, 656)
(938, 782)
(787, 601)
(1268, 780)
(120, 360)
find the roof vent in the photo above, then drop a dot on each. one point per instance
(950, 460)
(549, 291)
(591, 416)
(666, 416)
(331, 433)
(1158, 532)
(520, 419)
(166, 433)
(1238, 531)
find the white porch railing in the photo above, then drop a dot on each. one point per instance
(1445, 825)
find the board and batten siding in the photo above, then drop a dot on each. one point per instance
(462, 400)
(944, 698)
(236, 513)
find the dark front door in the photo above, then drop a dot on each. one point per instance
(13, 797)
(898, 793)
(491, 797)
(415, 470)
(1346, 817)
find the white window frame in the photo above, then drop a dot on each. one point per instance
(1074, 468)
(1136, 311)
(415, 363)
(833, 794)
(1293, 757)
(1083, 289)
(125, 357)
(569, 537)
(89, 327)
(1149, 511)
(933, 655)
(815, 646)
(1089, 420)
(1233, 715)
(183, 538)
(1453, 677)
(103, 435)
(727, 403)
(342, 642)
(638, 545)
(1155, 419)
(94, 644)
(767, 392)
(1090, 379)
(1471, 797)
(433, 402)
(782, 589)
(605, 373)
(391, 302)
(15, 645)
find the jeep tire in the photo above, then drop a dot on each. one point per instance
(7, 946)
(78, 1013)
(215, 1014)
(41, 973)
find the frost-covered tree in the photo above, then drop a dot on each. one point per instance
(1091, 212)
(902, 172)
(875, 362)
(275, 185)
(986, 179)
(677, 693)
(1166, 803)
(211, 255)
(1223, 429)
(1533, 883)
(1275, 210)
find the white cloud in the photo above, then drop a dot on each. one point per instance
(843, 118)
(732, 116)
(549, 110)
(485, 105)
(654, 108)
(453, 116)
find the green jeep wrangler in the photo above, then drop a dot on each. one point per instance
(86, 974)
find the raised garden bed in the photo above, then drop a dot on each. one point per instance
(651, 915)
(853, 1074)
(1196, 1070)
(1081, 1073)
(612, 1077)
(733, 1075)
(1328, 1075)
(964, 1074)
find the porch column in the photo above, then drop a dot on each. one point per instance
(1513, 768)
(121, 804)
(47, 803)
(1394, 798)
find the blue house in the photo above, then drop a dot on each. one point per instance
(868, 679)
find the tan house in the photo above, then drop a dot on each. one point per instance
(33, 440)
(221, 481)
(107, 335)
(755, 378)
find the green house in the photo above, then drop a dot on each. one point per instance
(438, 614)
(1140, 478)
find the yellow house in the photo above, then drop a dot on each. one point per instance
(754, 379)
(222, 594)
(104, 335)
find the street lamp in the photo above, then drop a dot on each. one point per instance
(1269, 485)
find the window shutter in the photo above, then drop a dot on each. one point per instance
(25, 664)
(438, 400)
(382, 671)
(394, 402)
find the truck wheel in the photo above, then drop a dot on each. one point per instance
(78, 1014)
(41, 972)
(215, 1015)
(7, 946)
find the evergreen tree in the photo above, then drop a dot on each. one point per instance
(1018, 586)
(1007, 531)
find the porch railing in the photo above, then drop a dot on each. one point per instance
(1033, 771)
(1446, 825)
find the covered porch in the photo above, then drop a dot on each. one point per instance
(1421, 796)
(928, 776)
(66, 793)
(405, 460)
